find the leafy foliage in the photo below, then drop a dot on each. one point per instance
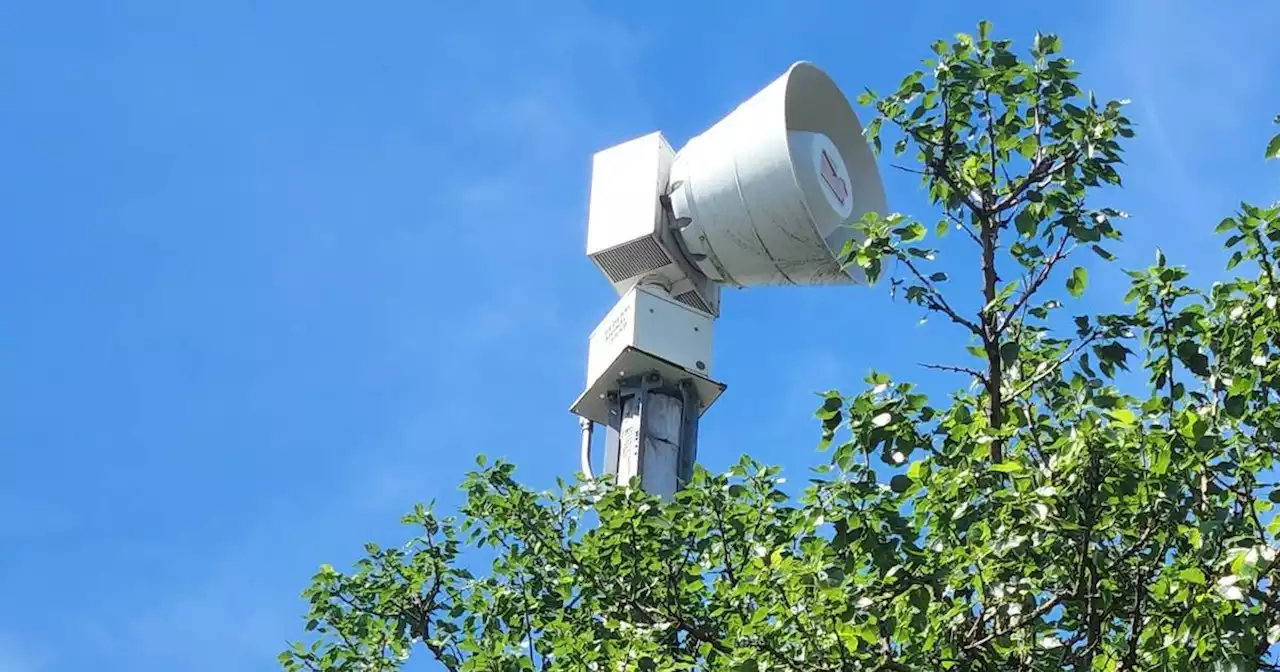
(1273, 147)
(1065, 513)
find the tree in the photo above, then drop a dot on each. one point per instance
(1273, 147)
(1097, 501)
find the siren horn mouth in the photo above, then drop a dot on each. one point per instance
(771, 191)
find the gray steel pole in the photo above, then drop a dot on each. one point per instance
(653, 433)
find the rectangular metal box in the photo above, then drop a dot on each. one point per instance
(648, 331)
(628, 238)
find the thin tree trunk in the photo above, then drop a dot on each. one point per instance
(991, 335)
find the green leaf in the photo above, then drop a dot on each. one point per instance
(1077, 282)
(1195, 428)
(1225, 225)
(911, 233)
(1009, 353)
(872, 133)
(900, 483)
(1102, 253)
(1193, 575)
(1123, 416)
(1046, 44)
(1160, 465)
(1273, 148)
(1027, 148)
(984, 30)
(1007, 467)
(942, 228)
(1026, 223)
(868, 633)
(938, 277)
(831, 407)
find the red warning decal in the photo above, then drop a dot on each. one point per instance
(833, 179)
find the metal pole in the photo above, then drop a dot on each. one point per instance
(653, 433)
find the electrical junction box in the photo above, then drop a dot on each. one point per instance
(630, 236)
(647, 331)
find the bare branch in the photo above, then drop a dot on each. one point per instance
(991, 134)
(934, 299)
(938, 166)
(963, 226)
(1045, 269)
(956, 369)
(1048, 370)
(1042, 169)
(1020, 623)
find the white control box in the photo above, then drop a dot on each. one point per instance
(646, 331)
(626, 181)
(628, 236)
(656, 324)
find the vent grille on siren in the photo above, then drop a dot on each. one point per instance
(691, 299)
(635, 258)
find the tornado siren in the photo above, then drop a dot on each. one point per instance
(763, 197)
(766, 196)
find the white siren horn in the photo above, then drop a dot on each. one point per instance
(766, 196)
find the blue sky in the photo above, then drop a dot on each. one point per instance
(272, 272)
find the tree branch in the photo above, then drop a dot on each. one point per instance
(963, 227)
(1017, 625)
(1087, 573)
(956, 369)
(1166, 326)
(1045, 269)
(934, 298)
(991, 137)
(990, 233)
(1093, 336)
(939, 169)
(1043, 168)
